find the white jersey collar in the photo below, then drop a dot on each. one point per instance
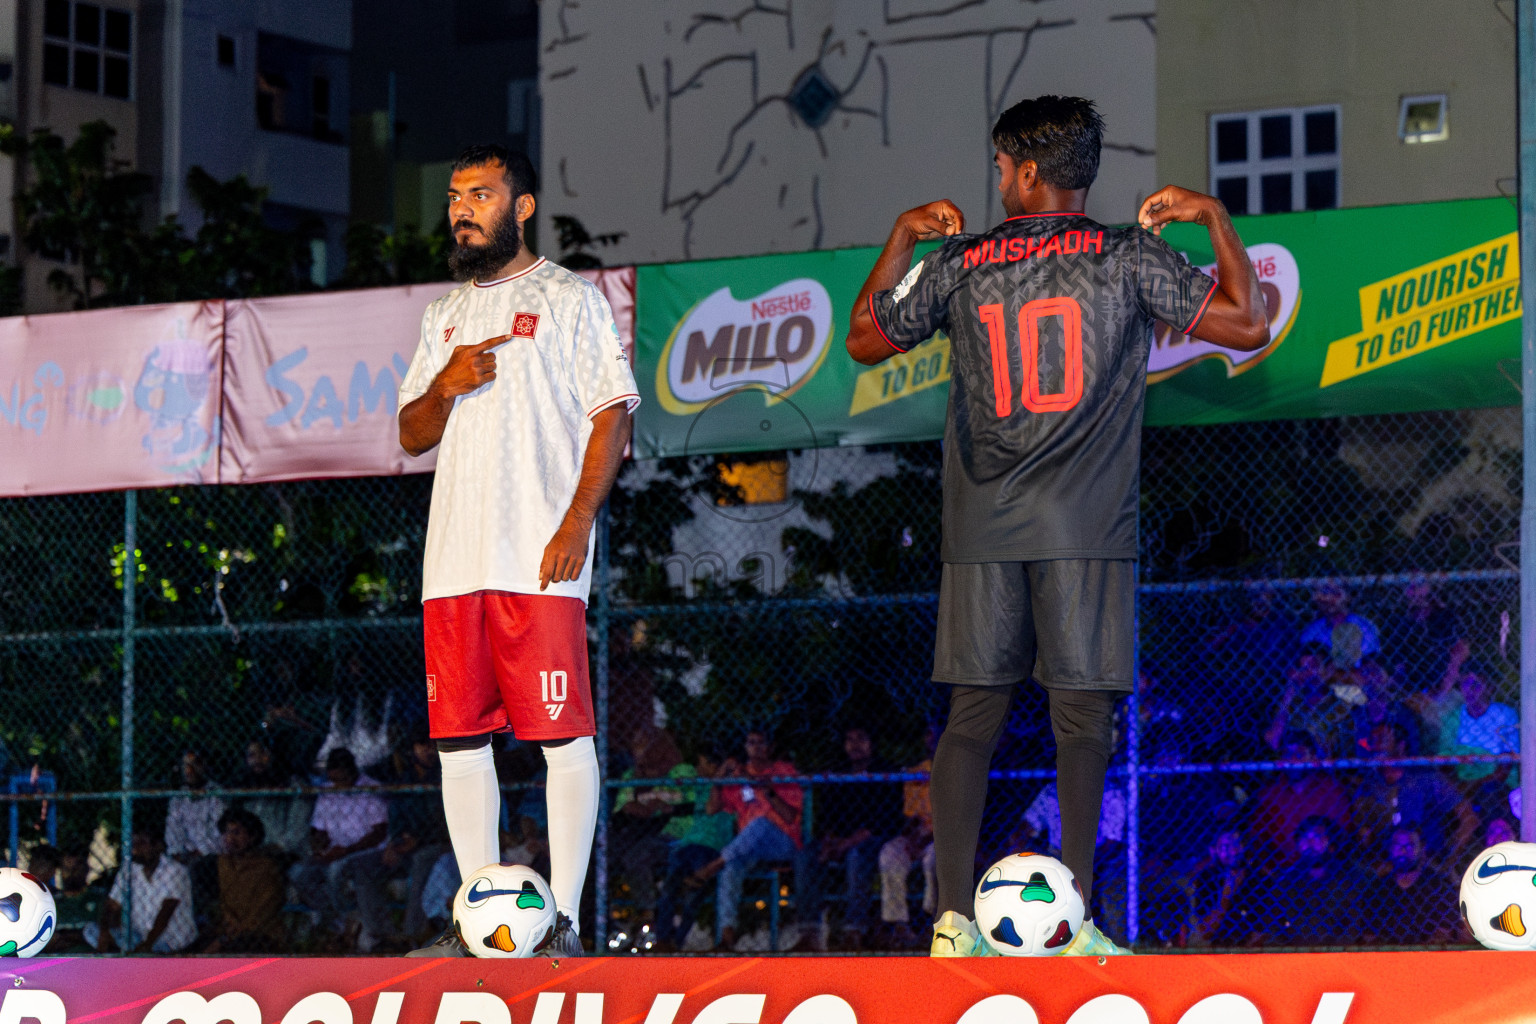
(511, 277)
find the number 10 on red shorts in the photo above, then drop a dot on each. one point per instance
(499, 661)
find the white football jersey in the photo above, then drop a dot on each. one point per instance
(512, 452)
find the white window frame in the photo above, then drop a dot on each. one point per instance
(1296, 165)
(1440, 134)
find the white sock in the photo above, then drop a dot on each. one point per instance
(571, 797)
(472, 807)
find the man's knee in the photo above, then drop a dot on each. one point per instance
(1084, 718)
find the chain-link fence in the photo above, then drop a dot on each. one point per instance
(1322, 732)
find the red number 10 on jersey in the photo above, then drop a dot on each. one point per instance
(1029, 336)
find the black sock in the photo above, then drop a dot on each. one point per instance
(977, 715)
(1083, 723)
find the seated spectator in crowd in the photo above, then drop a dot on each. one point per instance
(285, 819)
(1311, 704)
(1392, 795)
(76, 902)
(1481, 726)
(1414, 904)
(437, 895)
(192, 828)
(1282, 805)
(1437, 704)
(1380, 694)
(767, 828)
(1161, 715)
(1041, 830)
(1318, 900)
(1499, 830)
(1346, 636)
(162, 903)
(647, 819)
(853, 821)
(43, 862)
(348, 821)
(699, 845)
(912, 845)
(251, 889)
(418, 836)
(1423, 637)
(1247, 648)
(1217, 891)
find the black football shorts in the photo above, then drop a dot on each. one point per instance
(1069, 623)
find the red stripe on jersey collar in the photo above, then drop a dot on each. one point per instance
(1048, 213)
(511, 277)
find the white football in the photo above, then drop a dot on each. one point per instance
(1498, 896)
(1028, 904)
(27, 914)
(504, 910)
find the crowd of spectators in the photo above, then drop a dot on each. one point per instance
(1247, 835)
(1283, 850)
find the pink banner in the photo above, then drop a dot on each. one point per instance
(110, 398)
(220, 392)
(310, 383)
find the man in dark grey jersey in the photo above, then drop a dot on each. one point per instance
(1050, 317)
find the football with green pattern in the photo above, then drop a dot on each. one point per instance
(1028, 904)
(504, 910)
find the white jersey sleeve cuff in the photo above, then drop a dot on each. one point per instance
(631, 400)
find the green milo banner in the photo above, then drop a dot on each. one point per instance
(1380, 310)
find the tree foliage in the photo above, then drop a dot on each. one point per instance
(86, 208)
(576, 243)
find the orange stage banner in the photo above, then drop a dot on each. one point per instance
(1319, 988)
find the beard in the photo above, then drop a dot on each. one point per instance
(503, 242)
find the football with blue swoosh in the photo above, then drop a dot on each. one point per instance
(504, 910)
(27, 915)
(1028, 904)
(1498, 896)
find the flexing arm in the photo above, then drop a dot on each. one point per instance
(1235, 317)
(935, 220)
(423, 420)
(566, 553)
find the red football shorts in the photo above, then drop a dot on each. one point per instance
(498, 661)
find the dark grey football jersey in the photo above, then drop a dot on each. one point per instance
(1050, 317)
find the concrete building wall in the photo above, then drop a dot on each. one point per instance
(1248, 55)
(63, 109)
(676, 123)
(219, 128)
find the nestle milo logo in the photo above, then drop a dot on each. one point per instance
(1280, 283)
(773, 342)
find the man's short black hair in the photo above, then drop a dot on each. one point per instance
(1320, 823)
(246, 820)
(517, 168)
(1061, 134)
(340, 757)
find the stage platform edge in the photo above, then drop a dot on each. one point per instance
(1456, 987)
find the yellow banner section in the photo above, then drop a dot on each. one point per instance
(1440, 282)
(1393, 341)
(903, 375)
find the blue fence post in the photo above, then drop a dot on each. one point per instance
(130, 623)
(600, 615)
(1525, 31)
(1133, 786)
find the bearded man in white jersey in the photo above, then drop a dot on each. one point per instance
(520, 376)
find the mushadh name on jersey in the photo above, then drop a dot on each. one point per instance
(774, 341)
(1011, 250)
